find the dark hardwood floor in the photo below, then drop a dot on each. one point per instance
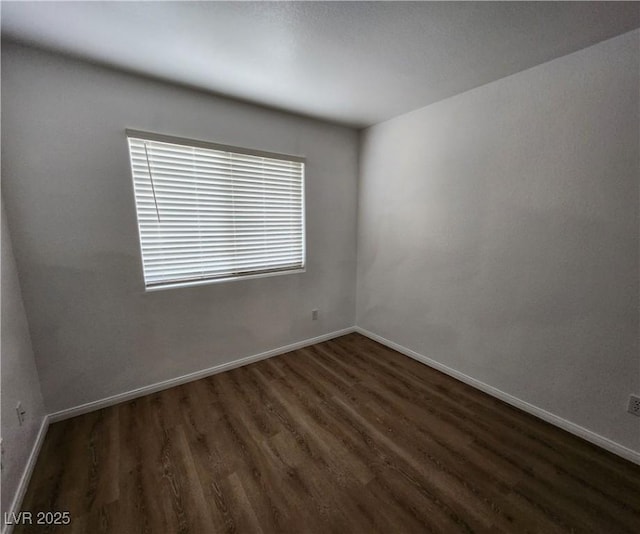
(345, 436)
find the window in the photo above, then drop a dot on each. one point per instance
(209, 212)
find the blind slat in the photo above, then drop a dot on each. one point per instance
(205, 213)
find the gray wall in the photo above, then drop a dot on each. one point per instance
(498, 232)
(69, 199)
(19, 376)
(498, 235)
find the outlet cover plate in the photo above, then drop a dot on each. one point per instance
(634, 405)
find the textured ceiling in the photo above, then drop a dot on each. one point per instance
(353, 63)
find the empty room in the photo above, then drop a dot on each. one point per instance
(320, 267)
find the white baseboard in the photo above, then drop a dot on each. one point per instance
(577, 430)
(26, 474)
(596, 439)
(166, 384)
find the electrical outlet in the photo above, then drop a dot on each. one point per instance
(22, 413)
(634, 405)
(314, 315)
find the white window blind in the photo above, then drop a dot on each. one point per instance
(209, 212)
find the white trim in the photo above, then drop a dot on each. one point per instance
(166, 384)
(183, 141)
(206, 281)
(577, 430)
(596, 439)
(26, 474)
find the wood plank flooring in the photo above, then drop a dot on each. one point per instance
(346, 436)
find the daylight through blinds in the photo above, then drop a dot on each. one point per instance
(207, 213)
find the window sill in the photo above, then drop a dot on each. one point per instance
(194, 283)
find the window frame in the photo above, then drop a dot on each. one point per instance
(197, 143)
